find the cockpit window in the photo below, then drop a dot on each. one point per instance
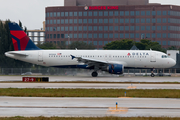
(165, 56)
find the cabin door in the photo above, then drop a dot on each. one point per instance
(40, 56)
(153, 57)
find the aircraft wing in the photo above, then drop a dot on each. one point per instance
(92, 62)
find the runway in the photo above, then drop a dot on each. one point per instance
(90, 85)
(88, 107)
(97, 79)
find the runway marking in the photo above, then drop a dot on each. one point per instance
(131, 87)
(113, 110)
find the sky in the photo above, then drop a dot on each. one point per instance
(32, 12)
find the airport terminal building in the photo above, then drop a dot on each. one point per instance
(102, 21)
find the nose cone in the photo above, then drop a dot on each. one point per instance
(173, 62)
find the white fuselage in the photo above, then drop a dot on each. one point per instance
(129, 58)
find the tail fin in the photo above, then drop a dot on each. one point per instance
(19, 38)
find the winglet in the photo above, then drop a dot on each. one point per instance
(73, 57)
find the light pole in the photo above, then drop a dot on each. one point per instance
(142, 36)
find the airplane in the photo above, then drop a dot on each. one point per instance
(111, 61)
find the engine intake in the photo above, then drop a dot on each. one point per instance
(115, 69)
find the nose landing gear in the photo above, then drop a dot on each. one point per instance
(94, 74)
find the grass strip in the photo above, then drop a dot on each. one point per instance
(38, 92)
(87, 118)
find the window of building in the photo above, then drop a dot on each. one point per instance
(85, 28)
(105, 13)
(148, 13)
(153, 12)
(132, 20)
(84, 13)
(100, 13)
(158, 27)
(137, 13)
(142, 13)
(70, 28)
(116, 20)
(58, 28)
(142, 20)
(47, 14)
(110, 13)
(153, 27)
(62, 21)
(89, 20)
(111, 28)
(66, 21)
(58, 21)
(100, 35)
(137, 28)
(80, 35)
(89, 13)
(105, 35)
(164, 20)
(153, 20)
(126, 28)
(116, 13)
(105, 42)
(51, 14)
(121, 35)
(62, 28)
(62, 35)
(75, 21)
(71, 14)
(126, 35)
(116, 35)
(100, 28)
(148, 28)
(80, 13)
(50, 36)
(105, 28)
(51, 29)
(84, 21)
(126, 13)
(132, 13)
(159, 20)
(121, 28)
(164, 27)
(84, 35)
(137, 35)
(80, 21)
(111, 35)
(148, 20)
(110, 20)
(153, 35)
(137, 20)
(95, 42)
(75, 35)
(51, 22)
(164, 12)
(116, 28)
(95, 28)
(75, 28)
(132, 35)
(95, 35)
(54, 14)
(158, 12)
(89, 28)
(105, 20)
(54, 35)
(126, 20)
(164, 43)
(95, 13)
(95, 20)
(66, 14)
(100, 20)
(58, 35)
(75, 13)
(80, 28)
(66, 28)
(148, 35)
(158, 35)
(121, 13)
(164, 35)
(100, 43)
(132, 28)
(142, 28)
(70, 21)
(121, 20)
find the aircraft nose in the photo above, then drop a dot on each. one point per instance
(173, 62)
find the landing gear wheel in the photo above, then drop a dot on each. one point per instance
(152, 75)
(94, 74)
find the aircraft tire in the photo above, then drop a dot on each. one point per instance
(152, 75)
(94, 74)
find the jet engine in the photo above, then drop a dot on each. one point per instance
(115, 69)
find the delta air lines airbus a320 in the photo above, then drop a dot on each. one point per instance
(112, 61)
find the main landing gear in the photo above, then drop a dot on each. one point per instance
(94, 74)
(152, 73)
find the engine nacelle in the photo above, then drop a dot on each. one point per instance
(115, 69)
